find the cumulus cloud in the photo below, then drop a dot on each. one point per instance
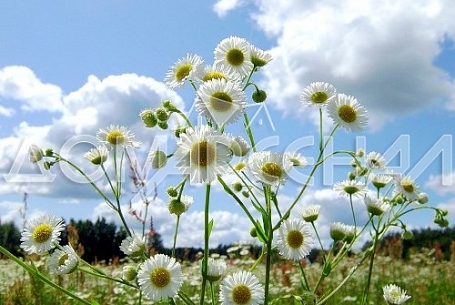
(5, 111)
(117, 100)
(228, 227)
(21, 84)
(380, 52)
(442, 184)
(223, 7)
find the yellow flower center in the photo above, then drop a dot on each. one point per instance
(63, 259)
(407, 185)
(295, 239)
(160, 277)
(272, 171)
(319, 97)
(42, 233)
(347, 114)
(235, 57)
(214, 75)
(221, 101)
(203, 153)
(241, 294)
(183, 71)
(115, 137)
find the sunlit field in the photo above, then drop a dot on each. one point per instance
(427, 280)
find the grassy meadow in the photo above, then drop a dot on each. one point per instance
(427, 279)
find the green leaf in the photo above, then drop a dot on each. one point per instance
(210, 226)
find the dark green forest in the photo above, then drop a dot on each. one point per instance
(100, 241)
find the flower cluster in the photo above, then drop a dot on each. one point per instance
(207, 153)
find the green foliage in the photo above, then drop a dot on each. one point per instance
(10, 237)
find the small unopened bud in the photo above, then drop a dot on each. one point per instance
(237, 186)
(259, 96)
(162, 114)
(246, 194)
(423, 198)
(253, 232)
(172, 192)
(407, 235)
(148, 118)
(176, 207)
(163, 125)
(129, 273)
(157, 159)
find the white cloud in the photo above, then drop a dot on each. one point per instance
(21, 84)
(442, 184)
(380, 52)
(228, 227)
(97, 104)
(223, 7)
(4, 111)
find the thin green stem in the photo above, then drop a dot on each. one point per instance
(212, 293)
(317, 235)
(269, 235)
(370, 270)
(302, 271)
(206, 243)
(175, 235)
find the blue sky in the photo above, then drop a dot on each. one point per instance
(67, 68)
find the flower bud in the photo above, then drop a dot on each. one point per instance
(148, 118)
(163, 124)
(162, 115)
(253, 232)
(423, 198)
(172, 192)
(176, 207)
(129, 273)
(237, 186)
(259, 96)
(407, 235)
(157, 159)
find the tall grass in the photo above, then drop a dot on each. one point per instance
(427, 280)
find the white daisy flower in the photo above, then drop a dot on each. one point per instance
(117, 135)
(259, 57)
(234, 54)
(269, 167)
(41, 233)
(376, 206)
(97, 155)
(347, 112)
(317, 94)
(340, 231)
(220, 100)
(375, 160)
(311, 213)
(203, 154)
(394, 295)
(63, 261)
(184, 69)
(296, 158)
(380, 181)
(35, 154)
(216, 268)
(238, 145)
(160, 277)
(350, 188)
(241, 288)
(407, 187)
(294, 240)
(134, 245)
(207, 73)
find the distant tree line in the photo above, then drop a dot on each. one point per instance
(100, 241)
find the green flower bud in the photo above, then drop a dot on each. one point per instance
(176, 207)
(163, 125)
(253, 232)
(407, 235)
(172, 192)
(423, 198)
(351, 176)
(162, 114)
(148, 118)
(246, 194)
(48, 152)
(169, 106)
(157, 159)
(237, 186)
(179, 131)
(129, 273)
(259, 96)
